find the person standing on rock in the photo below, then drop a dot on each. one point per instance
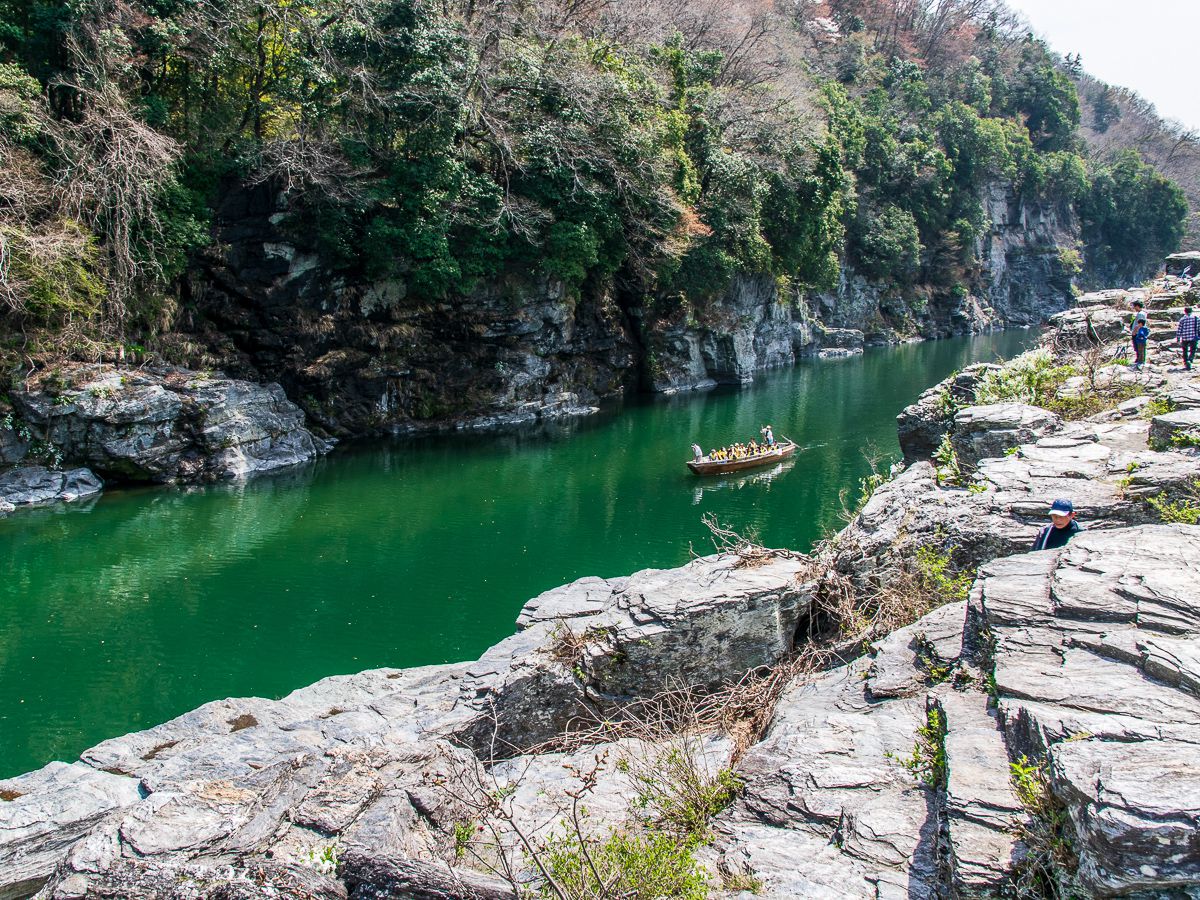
(1135, 330)
(1061, 529)
(1188, 332)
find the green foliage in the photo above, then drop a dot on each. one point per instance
(1158, 406)
(20, 100)
(1132, 217)
(408, 147)
(1184, 511)
(638, 866)
(56, 277)
(1070, 261)
(464, 833)
(946, 465)
(1036, 378)
(1033, 378)
(889, 244)
(1046, 97)
(1049, 865)
(678, 796)
(928, 759)
(867, 486)
(323, 859)
(941, 577)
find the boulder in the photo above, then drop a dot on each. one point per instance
(921, 426)
(1176, 430)
(1091, 324)
(37, 486)
(982, 432)
(596, 644)
(168, 425)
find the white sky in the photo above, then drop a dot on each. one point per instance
(1151, 46)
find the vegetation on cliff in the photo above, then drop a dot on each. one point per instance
(663, 145)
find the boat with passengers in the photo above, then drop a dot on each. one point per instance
(706, 465)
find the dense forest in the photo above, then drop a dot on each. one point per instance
(665, 145)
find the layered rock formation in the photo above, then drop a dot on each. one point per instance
(348, 760)
(39, 486)
(146, 425)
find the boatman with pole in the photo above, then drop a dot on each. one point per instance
(768, 435)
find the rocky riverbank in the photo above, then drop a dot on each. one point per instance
(898, 735)
(70, 430)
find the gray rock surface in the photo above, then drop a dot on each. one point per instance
(1105, 468)
(37, 486)
(829, 809)
(44, 812)
(982, 432)
(1095, 667)
(700, 624)
(167, 425)
(904, 661)
(1093, 651)
(351, 759)
(922, 425)
(983, 814)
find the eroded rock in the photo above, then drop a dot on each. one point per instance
(1094, 668)
(982, 432)
(38, 486)
(166, 425)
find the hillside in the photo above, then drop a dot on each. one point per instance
(411, 213)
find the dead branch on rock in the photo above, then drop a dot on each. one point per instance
(487, 835)
(742, 710)
(750, 553)
(853, 612)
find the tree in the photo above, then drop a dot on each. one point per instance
(1132, 217)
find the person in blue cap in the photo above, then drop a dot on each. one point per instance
(1062, 526)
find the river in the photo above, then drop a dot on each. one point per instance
(150, 602)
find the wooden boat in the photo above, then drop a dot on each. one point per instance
(706, 466)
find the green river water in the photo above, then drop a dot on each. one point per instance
(119, 616)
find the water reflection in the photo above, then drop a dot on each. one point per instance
(762, 478)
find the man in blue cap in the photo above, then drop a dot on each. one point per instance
(1062, 526)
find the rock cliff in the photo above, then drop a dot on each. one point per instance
(362, 357)
(144, 425)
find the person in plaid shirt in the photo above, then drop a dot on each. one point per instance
(1188, 333)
